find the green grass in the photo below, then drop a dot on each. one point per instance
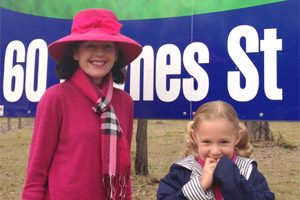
(14, 154)
(280, 165)
(286, 134)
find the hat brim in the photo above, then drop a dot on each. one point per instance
(129, 48)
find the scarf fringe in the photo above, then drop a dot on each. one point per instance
(111, 183)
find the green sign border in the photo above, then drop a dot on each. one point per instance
(129, 9)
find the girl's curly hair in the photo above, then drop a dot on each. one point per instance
(215, 110)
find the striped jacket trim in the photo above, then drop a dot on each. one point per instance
(192, 189)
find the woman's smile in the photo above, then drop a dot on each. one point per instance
(96, 58)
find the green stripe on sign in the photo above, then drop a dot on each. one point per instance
(129, 9)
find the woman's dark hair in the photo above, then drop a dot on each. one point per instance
(119, 71)
(66, 67)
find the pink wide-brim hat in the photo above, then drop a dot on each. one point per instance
(96, 25)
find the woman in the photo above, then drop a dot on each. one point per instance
(82, 133)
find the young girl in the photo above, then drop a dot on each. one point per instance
(216, 163)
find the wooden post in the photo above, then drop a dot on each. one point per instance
(8, 124)
(19, 123)
(141, 160)
(259, 130)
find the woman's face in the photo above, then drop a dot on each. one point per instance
(215, 138)
(96, 58)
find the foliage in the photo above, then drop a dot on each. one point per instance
(281, 141)
(129, 9)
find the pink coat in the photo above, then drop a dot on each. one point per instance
(64, 160)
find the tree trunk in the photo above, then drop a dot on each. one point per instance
(259, 130)
(141, 159)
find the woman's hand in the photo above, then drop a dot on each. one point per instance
(206, 179)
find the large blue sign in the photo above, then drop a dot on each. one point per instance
(248, 57)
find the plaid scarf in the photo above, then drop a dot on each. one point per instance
(110, 124)
(114, 176)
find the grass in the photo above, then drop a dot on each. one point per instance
(279, 163)
(14, 154)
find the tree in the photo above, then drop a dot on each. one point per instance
(141, 159)
(259, 130)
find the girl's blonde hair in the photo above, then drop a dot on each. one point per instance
(215, 110)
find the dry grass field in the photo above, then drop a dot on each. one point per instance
(279, 161)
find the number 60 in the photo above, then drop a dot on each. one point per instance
(13, 79)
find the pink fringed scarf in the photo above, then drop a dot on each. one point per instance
(113, 174)
(217, 188)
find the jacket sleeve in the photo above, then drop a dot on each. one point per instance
(178, 184)
(129, 140)
(235, 186)
(170, 187)
(43, 145)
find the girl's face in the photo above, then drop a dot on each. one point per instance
(96, 58)
(215, 138)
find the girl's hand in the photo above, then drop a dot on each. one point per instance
(206, 178)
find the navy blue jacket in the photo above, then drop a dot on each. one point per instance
(179, 184)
